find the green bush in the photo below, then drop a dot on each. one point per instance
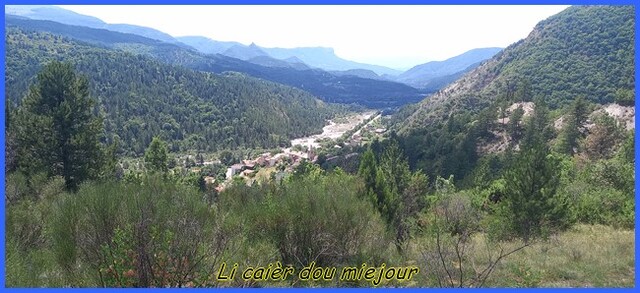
(601, 205)
(157, 234)
(312, 218)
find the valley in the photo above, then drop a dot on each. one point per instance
(144, 156)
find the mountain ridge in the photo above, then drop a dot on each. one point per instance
(378, 94)
(422, 74)
(557, 60)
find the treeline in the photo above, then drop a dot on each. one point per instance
(141, 98)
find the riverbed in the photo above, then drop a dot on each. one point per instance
(333, 130)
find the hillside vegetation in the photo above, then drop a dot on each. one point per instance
(141, 98)
(324, 85)
(582, 51)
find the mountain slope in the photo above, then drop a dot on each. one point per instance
(57, 14)
(325, 58)
(582, 51)
(142, 97)
(421, 75)
(243, 52)
(272, 62)
(328, 87)
(206, 45)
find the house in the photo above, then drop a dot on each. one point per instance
(233, 170)
(249, 164)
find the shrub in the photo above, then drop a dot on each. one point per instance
(156, 234)
(312, 218)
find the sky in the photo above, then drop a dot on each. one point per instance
(394, 36)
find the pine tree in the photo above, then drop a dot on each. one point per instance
(513, 126)
(56, 130)
(367, 170)
(575, 118)
(531, 206)
(156, 158)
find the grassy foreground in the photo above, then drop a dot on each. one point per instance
(586, 256)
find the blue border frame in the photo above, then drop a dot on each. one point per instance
(310, 2)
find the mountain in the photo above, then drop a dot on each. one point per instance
(330, 88)
(243, 52)
(57, 14)
(272, 62)
(206, 45)
(583, 51)
(325, 58)
(54, 13)
(423, 76)
(437, 83)
(142, 97)
(364, 73)
(141, 31)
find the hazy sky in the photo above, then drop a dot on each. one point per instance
(394, 36)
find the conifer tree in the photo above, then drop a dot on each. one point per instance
(531, 206)
(156, 158)
(56, 129)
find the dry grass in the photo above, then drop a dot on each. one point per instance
(586, 256)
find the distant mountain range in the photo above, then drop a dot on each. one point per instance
(318, 57)
(325, 74)
(57, 14)
(430, 75)
(378, 94)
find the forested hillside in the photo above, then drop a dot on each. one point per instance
(326, 86)
(142, 98)
(582, 51)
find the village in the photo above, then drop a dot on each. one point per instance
(353, 131)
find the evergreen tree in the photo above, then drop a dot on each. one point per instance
(568, 138)
(200, 159)
(575, 118)
(531, 206)
(514, 129)
(580, 110)
(368, 169)
(56, 129)
(537, 129)
(112, 168)
(156, 158)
